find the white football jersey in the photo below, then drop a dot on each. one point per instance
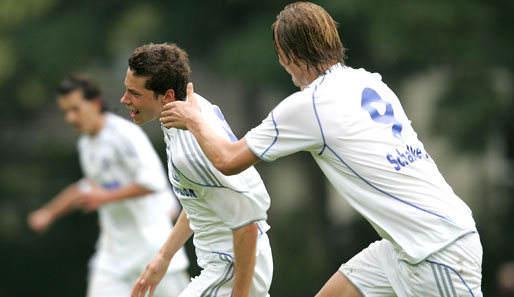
(215, 204)
(355, 128)
(133, 230)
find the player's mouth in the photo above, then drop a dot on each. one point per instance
(133, 113)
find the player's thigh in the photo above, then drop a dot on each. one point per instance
(365, 273)
(454, 271)
(172, 284)
(104, 284)
(216, 279)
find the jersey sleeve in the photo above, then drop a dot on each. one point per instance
(291, 127)
(81, 151)
(138, 157)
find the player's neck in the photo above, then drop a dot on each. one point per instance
(99, 124)
(312, 74)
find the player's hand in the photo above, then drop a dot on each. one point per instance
(179, 114)
(40, 220)
(150, 277)
(95, 197)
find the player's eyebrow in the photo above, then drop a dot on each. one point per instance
(132, 91)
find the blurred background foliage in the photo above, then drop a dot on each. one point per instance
(450, 62)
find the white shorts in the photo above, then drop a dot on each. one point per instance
(105, 284)
(451, 272)
(217, 278)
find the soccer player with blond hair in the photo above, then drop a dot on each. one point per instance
(357, 131)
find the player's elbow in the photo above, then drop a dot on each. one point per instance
(236, 159)
(227, 168)
(227, 165)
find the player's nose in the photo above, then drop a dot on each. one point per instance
(70, 117)
(124, 99)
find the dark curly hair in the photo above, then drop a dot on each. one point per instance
(166, 66)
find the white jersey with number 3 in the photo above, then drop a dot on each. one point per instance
(355, 128)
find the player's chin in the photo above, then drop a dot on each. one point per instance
(80, 129)
(139, 119)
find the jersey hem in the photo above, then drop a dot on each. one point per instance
(415, 262)
(246, 224)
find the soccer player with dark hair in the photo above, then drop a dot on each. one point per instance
(226, 215)
(124, 180)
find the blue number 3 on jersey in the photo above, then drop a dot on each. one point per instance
(372, 102)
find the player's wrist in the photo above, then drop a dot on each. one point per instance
(241, 290)
(192, 121)
(166, 255)
(115, 195)
(47, 213)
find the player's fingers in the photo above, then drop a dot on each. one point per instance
(166, 109)
(37, 224)
(140, 292)
(152, 289)
(190, 93)
(32, 221)
(135, 290)
(167, 123)
(165, 118)
(143, 291)
(144, 286)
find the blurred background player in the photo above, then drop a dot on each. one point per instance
(226, 214)
(355, 128)
(125, 181)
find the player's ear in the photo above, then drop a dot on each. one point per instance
(169, 96)
(98, 103)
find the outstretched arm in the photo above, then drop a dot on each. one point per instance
(245, 241)
(155, 270)
(228, 157)
(96, 196)
(67, 200)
